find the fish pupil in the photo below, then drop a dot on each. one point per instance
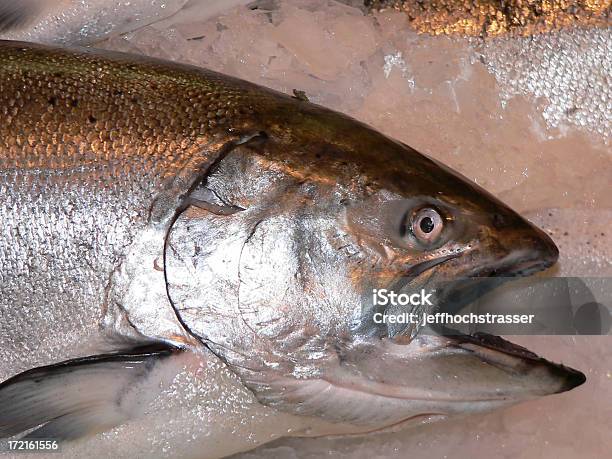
(426, 224)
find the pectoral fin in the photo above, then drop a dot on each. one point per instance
(15, 13)
(81, 396)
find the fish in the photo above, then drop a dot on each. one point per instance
(160, 219)
(77, 22)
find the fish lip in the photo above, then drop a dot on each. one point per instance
(572, 378)
(515, 265)
(461, 291)
(491, 350)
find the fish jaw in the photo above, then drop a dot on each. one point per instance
(431, 378)
(483, 367)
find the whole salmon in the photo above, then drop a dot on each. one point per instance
(152, 213)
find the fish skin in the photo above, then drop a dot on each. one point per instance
(100, 153)
(83, 156)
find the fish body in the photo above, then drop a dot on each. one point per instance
(70, 158)
(155, 213)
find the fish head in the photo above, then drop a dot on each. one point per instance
(272, 263)
(415, 212)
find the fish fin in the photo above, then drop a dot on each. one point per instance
(15, 13)
(77, 397)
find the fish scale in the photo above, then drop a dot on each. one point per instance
(92, 181)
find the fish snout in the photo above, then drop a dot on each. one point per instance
(519, 247)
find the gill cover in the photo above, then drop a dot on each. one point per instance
(137, 305)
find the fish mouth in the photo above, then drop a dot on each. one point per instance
(466, 373)
(490, 349)
(435, 377)
(518, 264)
(468, 358)
(460, 285)
(504, 255)
(382, 385)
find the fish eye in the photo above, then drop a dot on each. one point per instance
(426, 224)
